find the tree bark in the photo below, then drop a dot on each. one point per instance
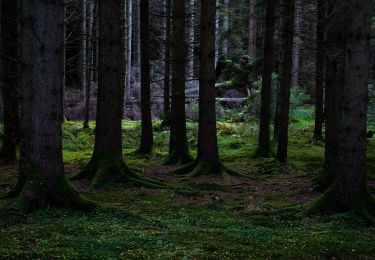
(264, 147)
(106, 163)
(10, 87)
(297, 42)
(320, 72)
(147, 138)
(207, 161)
(349, 34)
(129, 38)
(167, 59)
(46, 185)
(285, 80)
(252, 45)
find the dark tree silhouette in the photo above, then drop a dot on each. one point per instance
(10, 76)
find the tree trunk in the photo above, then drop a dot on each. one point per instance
(129, 37)
(178, 147)
(107, 163)
(320, 72)
(167, 58)
(252, 47)
(264, 147)
(207, 161)
(147, 139)
(46, 184)
(10, 87)
(84, 64)
(190, 40)
(349, 33)
(285, 80)
(297, 42)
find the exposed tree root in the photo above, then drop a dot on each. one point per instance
(111, 168)
(178, 158)
(16, 190)
(40, 193)
(206, 167)
(363, 205)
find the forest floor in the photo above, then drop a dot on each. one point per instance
(205, 218)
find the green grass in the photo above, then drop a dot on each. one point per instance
(253, 218)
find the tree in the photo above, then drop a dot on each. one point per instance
(129, 38)
(106, 163)
(10, 77)
(207, 160)
(178, 147)
(147, 139)
(285, 80)
(264, 146)
(45, 184)
(89, 33)
(252, 46)
(348, 47)
(320, 71)
(167, 59)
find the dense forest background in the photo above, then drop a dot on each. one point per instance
(186, 129)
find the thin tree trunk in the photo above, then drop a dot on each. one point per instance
(297, 42)
(264, 147)
(320, 72)
(285, 80)
(190, 39)
(147, 139)
(252, 46)
(167, 57)
(129, 38)
(84, 65)
(178, 147)
(10, 87)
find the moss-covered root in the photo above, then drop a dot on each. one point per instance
(206, 167)
(111, 168)
(16, 190)
(179, 159)
(364, 205)
(39, 193)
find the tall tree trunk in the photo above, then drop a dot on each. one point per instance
(349, 33)
(264, 146)
(178, 147)
(10, 87)
(190, 39)
(285, 80)
(297, 42)
(84, 65)
(46, 184)
(147, 138)
(252, 46)
(137, 41)
(320, 71)
(129, 37)
(207, 161)
(167, 58)
(106, 163)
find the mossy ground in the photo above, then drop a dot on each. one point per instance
(204, 218)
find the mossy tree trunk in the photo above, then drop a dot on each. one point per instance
(106, 163)
(285, 80)
(167, 67)
(207, 161)
(147, 139)
(178, 146)
(43, 180)
(264, 143)
(348, 46)
(10, 79)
